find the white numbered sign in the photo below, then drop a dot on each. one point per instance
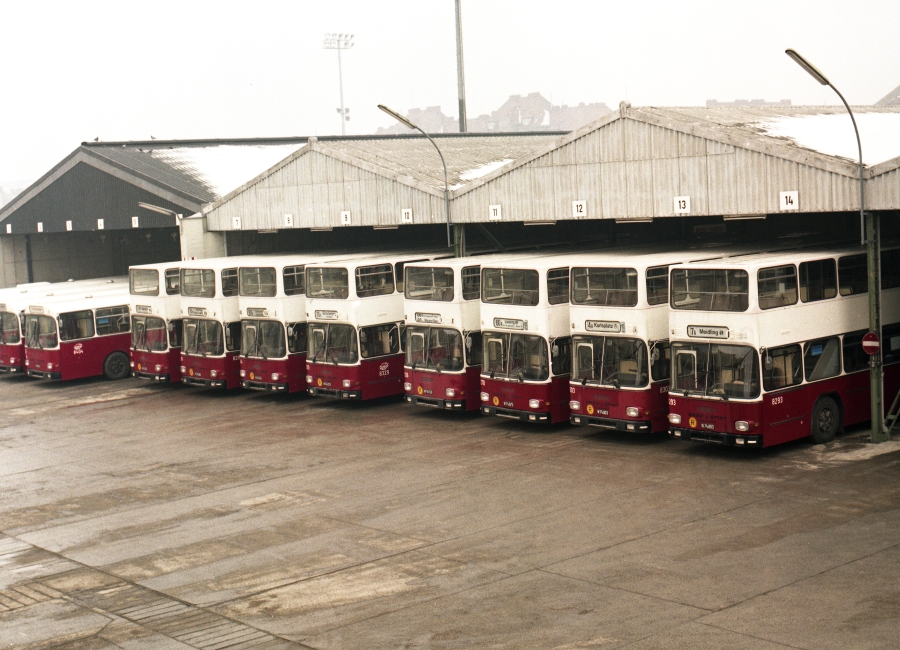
(235, 223)
(99, 224)
(8, 228)
(682, 205)
(40, 225)
(579, 209)
(345, 218)
(494, 213)
(134, 222)
(68, 225)
(789, 200)
(406, 215)
(288, 221)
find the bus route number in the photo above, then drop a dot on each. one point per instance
(777, 400)
(673, 401)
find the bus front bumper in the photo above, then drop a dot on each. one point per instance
(261, 385)
(336, 393)
(12, 370)
(206, 383)
(444, 404)
(611, 423)
(716, 438)
(522, 416)
(43, 374)
(140, 374)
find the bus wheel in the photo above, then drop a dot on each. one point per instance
(826, 420)
(116, 366)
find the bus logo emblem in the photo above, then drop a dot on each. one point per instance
(78, 349)
(496, 400)
(139, 366)
(420, 390)
(319, 381)
(704, 332)
(191, 372)
(590, 409)
(603, 326)
(434, 319)
(693, 423)
(252, 377)
(384, 366)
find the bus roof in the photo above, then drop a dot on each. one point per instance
(383, 258)
(93, 300)
(755, 261)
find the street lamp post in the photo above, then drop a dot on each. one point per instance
(340, 42)
(411, 125)
(869, 224)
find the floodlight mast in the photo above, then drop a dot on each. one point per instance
(870, 235)
(409, 124)
(340, 42)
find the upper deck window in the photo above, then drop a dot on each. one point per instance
(604, 286)
(558, 286)
(144, 282)
(818, 280)
(198, 283)
(471, 281)
(710, 289)
(230, 282)
(327, 283)
(510, 286)
(658, 285)
(777, 286)
(294, 280)
(377, 280)
(173, 282)
(852, 275)
(398, 273)
(258, 281)
(429, 283)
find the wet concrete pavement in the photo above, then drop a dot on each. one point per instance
(143, 516)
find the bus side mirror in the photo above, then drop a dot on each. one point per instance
(654, 356)
(768, 362)
(555, 350)
(469, 342)
(290, 331)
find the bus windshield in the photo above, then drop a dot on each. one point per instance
(710, 289)
(333, 343)
(510, 287)
(9, 328)
(257, 281)
(610, 361)
(711, 369)
(203, 337)
(429, 283)
(144, 282)
(40, 332)
(149, 334)
(604, 286)
(262, 339)
(516, 356)
(437, 348)
(198, 283)
(327, 283)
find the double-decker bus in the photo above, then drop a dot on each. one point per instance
(156, 325)
(211, 323)
(442, 306)
(767, 348)
(526, 342)
(273, 320)
(619, 316)
(80, 335)
(355, 320)
(14, 301)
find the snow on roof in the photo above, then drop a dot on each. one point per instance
(832, 134)
(224, 168)
(483, 170)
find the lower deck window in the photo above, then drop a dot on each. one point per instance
(333, 343)
(40, 332)
(9, 328)
(516, 356)
(262, 339)
(437, 348)
(710, 369)
(203, 337)
(148, 334)
(379, 340)
(610, 361)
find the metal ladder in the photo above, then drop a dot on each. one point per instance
(893, 414)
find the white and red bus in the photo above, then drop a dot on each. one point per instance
(156, 325)
(619, 316)
(767, 348)
(211, 322)
(526, 342)
(442, 307)
(355, 322)
(13, 302)
(77, 336)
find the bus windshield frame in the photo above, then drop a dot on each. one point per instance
(262, 339)
(40, 332)
(335, 343)
(434, 348)
(512, 356)
(149, 334)
(718, 370)
(617, 361)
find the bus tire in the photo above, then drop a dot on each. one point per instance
(116, 366)
(826, 420)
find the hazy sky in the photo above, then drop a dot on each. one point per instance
(128, 70)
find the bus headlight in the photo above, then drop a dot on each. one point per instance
(12, 359)
(485, 397)
(213, 374)
(741, 425)
(183, 369)
(534, 403)
(346, 383)
(575, 405)
(407, 386)
(275, 376)
(132, 364)
(308, 379)
(157, 367)
(632, 411)
(49, 366)
(450, 392)
(674, 418)
(243, 373)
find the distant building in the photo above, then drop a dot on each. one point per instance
(532, 112)
(710, 103)
(891, 99)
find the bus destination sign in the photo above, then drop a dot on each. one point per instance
(511, 323)
(707, 332)
(322, 314)
(431, 319)
(604, 326)
(257, 312)
(196, 311)
(143, 309)
(35, 309)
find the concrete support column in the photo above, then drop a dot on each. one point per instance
(197, 242)
(13, 265)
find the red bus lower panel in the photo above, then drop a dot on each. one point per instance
(274, 375)
(371, 379)
(522, 416)
(716, 438)
(456, 391)
(43, 374)
(210, 372)
(157, 366)
(642, 426)
(12, 358)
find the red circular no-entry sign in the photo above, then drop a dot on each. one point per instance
(870, 343)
